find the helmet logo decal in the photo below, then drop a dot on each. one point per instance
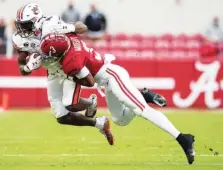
(52, 51)
(35, 10)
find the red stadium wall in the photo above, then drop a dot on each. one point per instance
(184, 83)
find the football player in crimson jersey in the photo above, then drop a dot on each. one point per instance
(63, 94)
(86, 66)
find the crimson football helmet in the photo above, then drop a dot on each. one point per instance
(55, 45)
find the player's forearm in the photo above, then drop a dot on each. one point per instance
(22, 63)
(84, 77)
(87, 81)
(83, 104)
(84, 82)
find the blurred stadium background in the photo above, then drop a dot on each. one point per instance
(173, 47)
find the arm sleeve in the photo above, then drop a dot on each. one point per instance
(83, 73)
(55, 24)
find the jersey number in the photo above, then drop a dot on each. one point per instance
(97, 55)
(52, 51)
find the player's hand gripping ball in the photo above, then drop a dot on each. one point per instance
(33, 61)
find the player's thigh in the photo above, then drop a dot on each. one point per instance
(55, 93)
(117, 110)
(115, 106)
(71, 92)
(121, 85)
(54, 89)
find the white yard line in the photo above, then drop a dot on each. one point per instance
(100, 155)
(147, 163)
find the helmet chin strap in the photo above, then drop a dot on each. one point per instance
(37, 32)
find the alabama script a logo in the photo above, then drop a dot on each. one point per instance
(206, 83)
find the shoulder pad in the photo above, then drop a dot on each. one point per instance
(17, 41)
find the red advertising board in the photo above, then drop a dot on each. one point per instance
(184, 83)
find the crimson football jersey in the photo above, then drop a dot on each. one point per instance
(78, 56)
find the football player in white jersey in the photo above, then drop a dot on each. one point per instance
(63, 94)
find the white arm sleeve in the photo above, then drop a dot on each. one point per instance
(55, 24)
(63, 28)
(82, 73)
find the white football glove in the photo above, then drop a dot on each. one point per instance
(34, 62)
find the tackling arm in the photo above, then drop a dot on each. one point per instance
(55, 24)
(86, 81)
(84, 77)
(79, 28)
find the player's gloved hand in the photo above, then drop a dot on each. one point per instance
(34, 62)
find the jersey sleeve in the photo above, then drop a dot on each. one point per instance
(83, 73)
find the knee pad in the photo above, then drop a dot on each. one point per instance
(125, 119)
(138, 111)
(121, 122)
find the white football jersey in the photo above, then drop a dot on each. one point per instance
(30, 44)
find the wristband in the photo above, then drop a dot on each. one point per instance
(71, 27)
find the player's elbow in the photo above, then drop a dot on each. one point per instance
(90, 84)
(87, 81)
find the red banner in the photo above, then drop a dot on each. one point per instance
(184, 83)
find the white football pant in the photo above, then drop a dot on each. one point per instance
(62, 93)
(125, 101)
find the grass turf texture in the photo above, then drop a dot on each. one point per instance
(33, 140)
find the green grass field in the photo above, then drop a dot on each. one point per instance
(33, 140)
